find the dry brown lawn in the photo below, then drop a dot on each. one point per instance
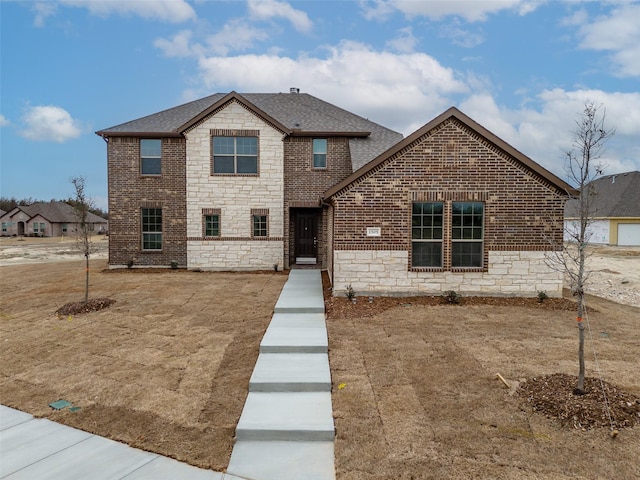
(166, 368)
(420, 398)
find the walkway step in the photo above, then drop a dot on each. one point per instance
(298, 320)
(292, 416)
(295, 340)
(283, 460)
(293, 372)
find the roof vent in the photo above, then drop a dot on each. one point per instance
(294, 90)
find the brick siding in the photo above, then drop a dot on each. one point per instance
(304, 185)
(449, 163)
(129, 192)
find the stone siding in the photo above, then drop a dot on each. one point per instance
(385, 272)
(235, 196)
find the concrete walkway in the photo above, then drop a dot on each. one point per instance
(286, 429)
(38, 448)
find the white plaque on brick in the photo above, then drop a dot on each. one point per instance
(373, 231)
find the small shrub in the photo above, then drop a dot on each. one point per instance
(130, 263)
(275, 267)
(351, 294)
(174, 265)
(542, 296)
(452, 297)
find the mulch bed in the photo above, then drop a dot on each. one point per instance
(78, 308)
(552, 396)
(342, 307)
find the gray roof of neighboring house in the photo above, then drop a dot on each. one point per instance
(2, 212)
(57, 212)
(616, 196)
(294, 113)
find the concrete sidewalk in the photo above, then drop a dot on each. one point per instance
(33, 448)
(286, 429)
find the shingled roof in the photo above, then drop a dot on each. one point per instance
(293, 113)
(57, 212)
(616, 196)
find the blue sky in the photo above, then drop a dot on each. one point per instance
(522, 68)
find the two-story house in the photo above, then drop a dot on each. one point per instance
(259, 181)
(232, 182)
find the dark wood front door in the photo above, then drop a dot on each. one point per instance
(306, 235)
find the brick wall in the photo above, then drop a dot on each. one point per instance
(304, 185)
(234, 196)
(449, 163)
(129, 192)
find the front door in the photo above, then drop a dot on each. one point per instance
(306, 239)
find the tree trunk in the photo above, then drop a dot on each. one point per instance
(580, 388)
(86, 283)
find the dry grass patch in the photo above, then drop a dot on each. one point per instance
(421, 399)
(165, 368)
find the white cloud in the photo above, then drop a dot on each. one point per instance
(618, 33)
(544, 133)
(470, 10)
(173, 11)
(49, 123)
(4, 121)
(462, 37)
(396, 88)
(268, 9)
(42, 10)
(179, 45)
(236, 35)
(405, 42)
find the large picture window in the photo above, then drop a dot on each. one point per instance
(235, 155)
(150, 156)
(151, 228)
(466, 234)
(426, 234)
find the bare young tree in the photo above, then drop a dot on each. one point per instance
(81, 206)
(583, 166)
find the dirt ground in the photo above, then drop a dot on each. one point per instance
(416, 394)
(166, 368)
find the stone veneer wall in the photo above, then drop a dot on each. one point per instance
(235, 196)
(450, 163)
(384, 272)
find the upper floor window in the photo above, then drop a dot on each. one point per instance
(426, 234)
(152, 229)
(235, 155)
(150, 156)
(466, 234)
(319, 153)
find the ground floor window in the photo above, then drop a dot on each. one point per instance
(212, 225)
(38, 228)
(466, 234)
(151, 228)
(426, 234)
(456, 228)
(259, 222)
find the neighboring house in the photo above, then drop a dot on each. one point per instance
(46, 219)
(254, 181)
(616, 211)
